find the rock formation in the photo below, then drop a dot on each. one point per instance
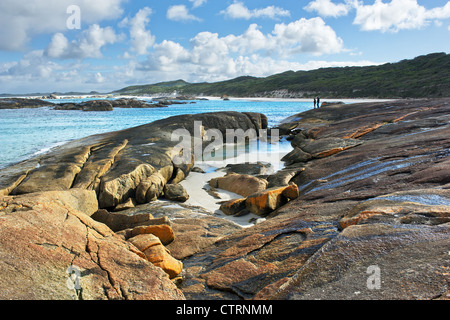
(360, 211)
(64, 203)
(373, 201)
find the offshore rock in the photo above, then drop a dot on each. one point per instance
(19, 103)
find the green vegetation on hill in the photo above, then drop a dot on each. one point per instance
(161, 87)
(424, 76)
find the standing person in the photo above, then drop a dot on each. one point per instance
(318, 102)
(315, 103)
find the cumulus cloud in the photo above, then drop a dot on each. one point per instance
(32, 65)
(326, 8)
(308, 35)
(198, 3)
(141, 38)
(88, 45)
(397, 15)
(238, 10)
(21, 20)
(180, 13)
(211, 57)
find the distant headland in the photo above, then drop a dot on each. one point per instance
(426, 76)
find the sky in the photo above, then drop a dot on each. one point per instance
(105, 45)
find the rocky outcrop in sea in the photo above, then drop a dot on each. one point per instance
(89, 105)
(361, 210)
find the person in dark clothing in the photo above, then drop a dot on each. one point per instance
(315, 101)
(318, 102)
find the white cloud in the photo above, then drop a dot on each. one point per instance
(210, 57)
(180, 13)
(33, 65)
(141, 38)
(238, 10)
(326, 8)
(198, 3)
(308, 35)
(25, 19)
(88, 45)
(397, 15)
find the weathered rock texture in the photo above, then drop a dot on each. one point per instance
(50, 219)
(374, 185)
(42, 235)
(368, 217)
(134, 163)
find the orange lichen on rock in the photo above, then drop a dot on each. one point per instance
(363, 131)
(163, 231)
(263, 203)
(157, 254)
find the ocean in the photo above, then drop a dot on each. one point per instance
(25, 133)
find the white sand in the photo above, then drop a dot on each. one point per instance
(197, 184)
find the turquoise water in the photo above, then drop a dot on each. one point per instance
(28, 132)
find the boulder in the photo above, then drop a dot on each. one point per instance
(96, 105)
(241, 184)
(265, 202)
(19, 103)
(284, 177)
(116, 189)
(151, 188)
(162, 231)
(253, 169)
(175, 192)
(129, 204)
(157, 254)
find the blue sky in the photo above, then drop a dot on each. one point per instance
(103, 45)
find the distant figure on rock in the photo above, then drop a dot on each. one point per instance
(315, 101)
(318, 102)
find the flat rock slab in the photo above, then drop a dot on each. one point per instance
(376, 262)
